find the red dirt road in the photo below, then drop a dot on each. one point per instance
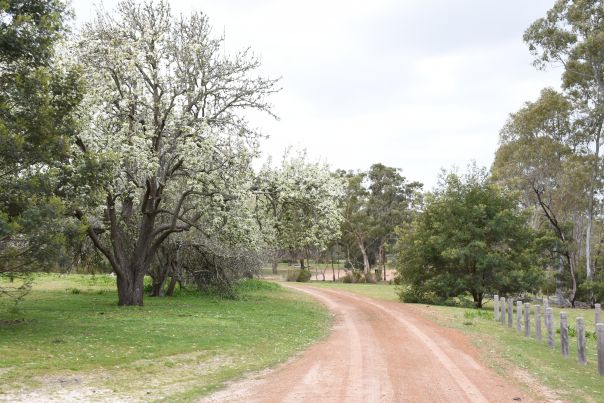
(378, 351)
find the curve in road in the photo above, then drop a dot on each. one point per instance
(378, 351)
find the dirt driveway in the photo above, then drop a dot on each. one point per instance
(378, 351)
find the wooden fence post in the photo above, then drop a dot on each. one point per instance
(600, 331)
(581, 341)
(519, 316)
(502, 303)
(564, 334)
(510, 312)
(527, 320)
(496, 306)
(538, 322)
(598, 313)
(545, 302)
(549, 323)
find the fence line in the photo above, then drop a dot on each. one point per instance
(523, 314)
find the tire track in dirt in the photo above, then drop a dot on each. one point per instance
(378, 351)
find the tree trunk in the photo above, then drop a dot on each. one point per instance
(384, 263)
(158, 288)
(171, 287)
(477, 296)
(598, 78)
(302, 267)
(573, 295)
(333, 270)
(130, 288)
(131, 251)
(594, 177)
(275, 262)
(167, 256)
(175, 273)
(382, 260)
(361, 245)
(559, 283)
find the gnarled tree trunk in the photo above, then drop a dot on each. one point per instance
(130, 287)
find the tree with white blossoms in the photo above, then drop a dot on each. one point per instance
(298, 205)
(222, 248)
(164, 103)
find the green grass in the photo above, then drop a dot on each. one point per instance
(186, 345)
(504, 349)
(379, 291)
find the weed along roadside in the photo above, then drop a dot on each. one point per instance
(67, 345)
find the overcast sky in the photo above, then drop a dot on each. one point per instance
(414, 84)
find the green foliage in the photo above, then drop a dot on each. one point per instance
(540, 159)
(355, 276)
(470, 238)
(376, 202)
(558, 139)
(39, 95)
(591, 289)
(250, 284)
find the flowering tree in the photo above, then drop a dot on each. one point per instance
(164, 105)
(298, 204)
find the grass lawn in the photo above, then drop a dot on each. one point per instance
(69, 332)
(506, 351)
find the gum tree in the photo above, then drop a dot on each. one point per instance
(165, 105)
(572, 35)
(392, 202)
(357, 222)
(541, 156)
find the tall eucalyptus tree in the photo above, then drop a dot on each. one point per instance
(572, 34)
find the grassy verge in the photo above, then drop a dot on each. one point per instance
(69, 332)
(378, 291)
(506, 351)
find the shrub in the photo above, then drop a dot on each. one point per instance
(413, 295)
(301, 276)
(370, 278)
(591, 289)
(248, 285)
(304, 276)
(148, 284)
(358, 277)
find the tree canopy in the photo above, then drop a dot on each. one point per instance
(470, 238)
(39, 96)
